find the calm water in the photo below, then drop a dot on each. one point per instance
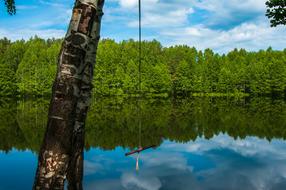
(202, 143)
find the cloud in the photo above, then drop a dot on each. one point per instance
(110, 184)
(157, 13)
(251, 36)
(46, 19)
(157, 159)
(251, 163)
(26, 7)
(251, 146)
(226, 7)
(28, 33)
(218, 163)
(218, 24)
(128, 4)
(131, 181)
(227, 13)
(156, 20)
(91, 168)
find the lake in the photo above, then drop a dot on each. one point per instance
(201, 143)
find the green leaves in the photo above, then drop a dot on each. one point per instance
(10, 5)
(276, 12)
(37, 69)
(28, 69)
(9, 60)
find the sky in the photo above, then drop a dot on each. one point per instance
(221, 25)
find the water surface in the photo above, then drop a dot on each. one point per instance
(202, 143)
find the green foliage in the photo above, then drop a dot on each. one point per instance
(4, 44)
(108, 74)
(7, 81)
(28, 69)
(10, 5)
(36, 71)
(276, 12)
(183, 80)
(8, 66)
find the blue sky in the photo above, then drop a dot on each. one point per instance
(218, 24)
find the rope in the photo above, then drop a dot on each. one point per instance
(139, 66)
(140, 45)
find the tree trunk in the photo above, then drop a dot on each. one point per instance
(61, 154)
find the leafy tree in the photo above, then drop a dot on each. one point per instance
(4, 44)
(10, 5)
(158, 79)
(7, 81)
(211, 68)
(260, 75)
(226, 80)
(199, 75)
(35, 73)
(183, 78)
(8, 67)
(108, 62)
(131, 79)
(276, 12)
(14, 54)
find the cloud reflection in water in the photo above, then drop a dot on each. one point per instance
(218, 163)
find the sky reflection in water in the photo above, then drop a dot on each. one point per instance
(218, 163)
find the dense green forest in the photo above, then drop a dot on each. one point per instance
(114, 122)
(27, 68)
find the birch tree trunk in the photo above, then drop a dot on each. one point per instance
(61, 154)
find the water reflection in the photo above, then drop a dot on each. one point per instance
(112, 123)
(219, 163)
(202, 144)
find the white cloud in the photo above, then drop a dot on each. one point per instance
(132, 4)
(250, 146)
(28, 33)
(109, 184)
(157, 159)
(169, 19)
(251, 163)
(218, 24)
(219, 6)
(91, 168)
(218, 163)
(26, 7)
(128, 4)
(155, 13)
(131, 181)
(251, 36)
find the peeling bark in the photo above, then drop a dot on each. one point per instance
(61, 154)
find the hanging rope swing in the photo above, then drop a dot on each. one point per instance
(140, 148)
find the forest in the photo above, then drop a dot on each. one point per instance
(27, 69)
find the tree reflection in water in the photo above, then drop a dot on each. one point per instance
(113, 123)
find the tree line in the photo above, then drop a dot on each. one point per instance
(27, 68)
